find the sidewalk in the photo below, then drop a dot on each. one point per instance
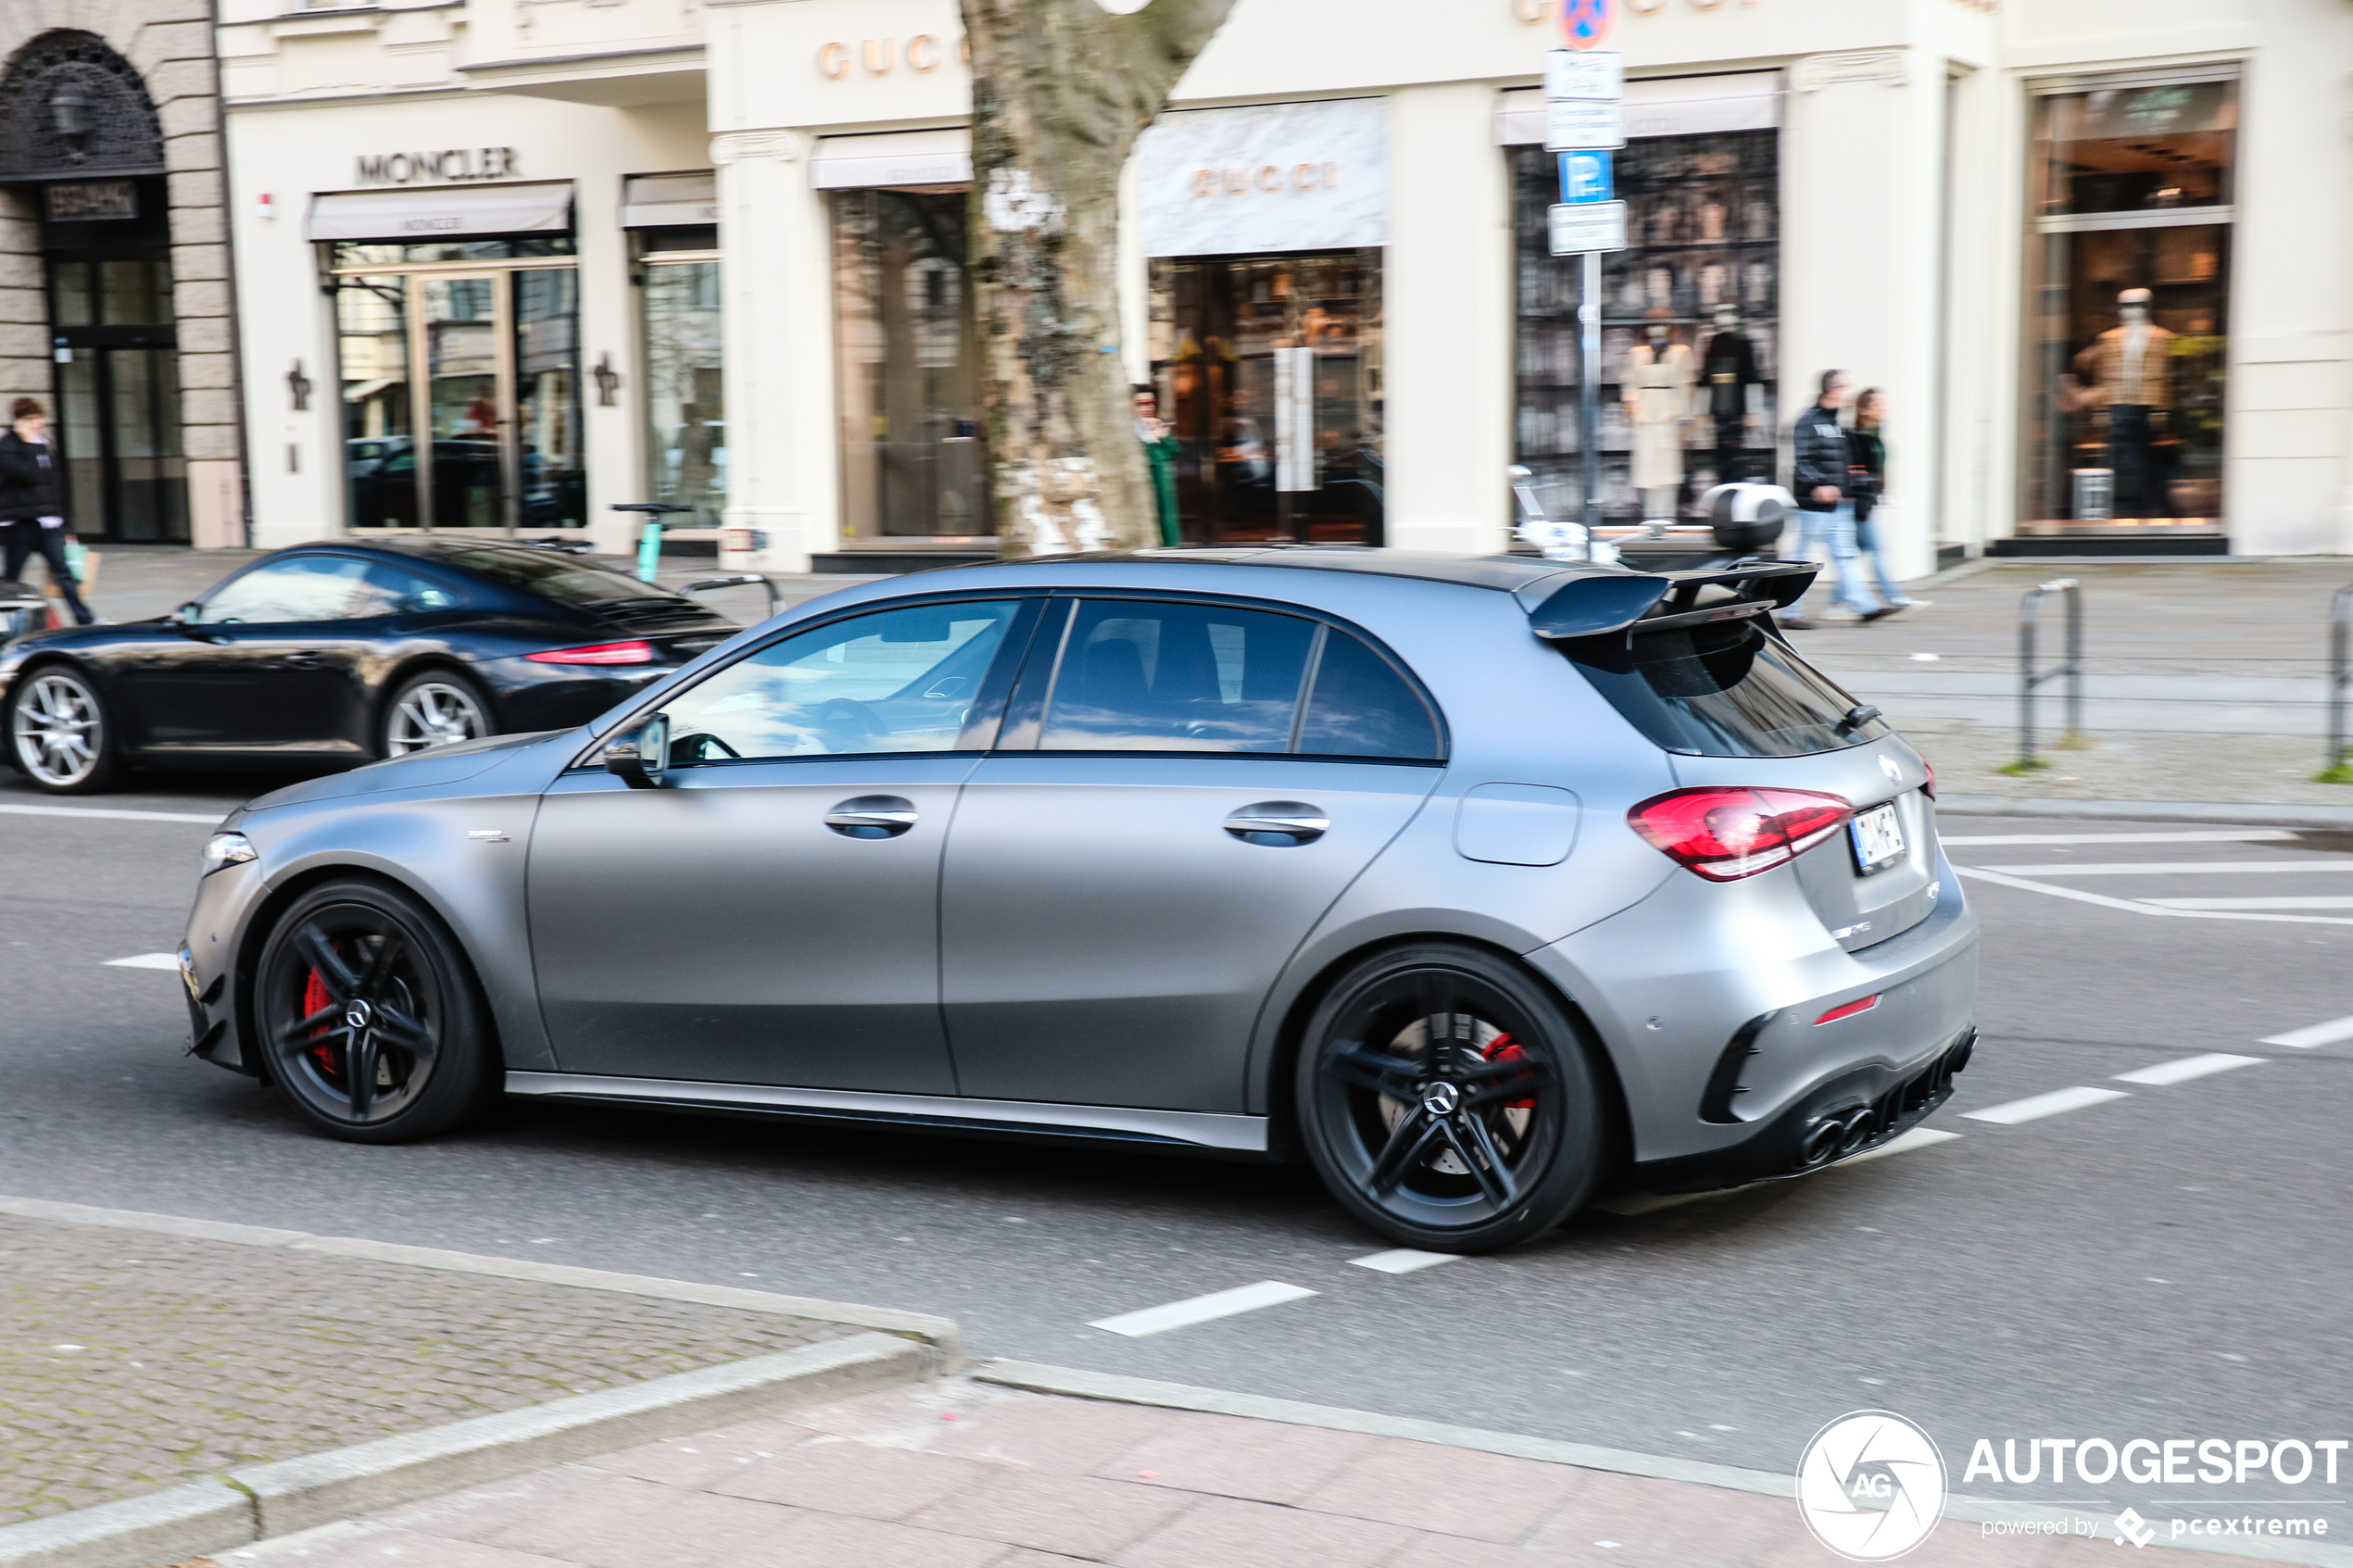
(961, 1474)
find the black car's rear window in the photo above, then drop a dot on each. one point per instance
(1722, 690)
(552, 575)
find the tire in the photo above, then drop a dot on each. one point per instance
(438, 708)
(370, 1018)
(59, 734)
(1493, 1137)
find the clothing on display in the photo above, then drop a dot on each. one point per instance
(1659, 378)
(1728, 372)
(2127, 373)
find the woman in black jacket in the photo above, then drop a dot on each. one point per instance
(1867, 457)
(32, 503)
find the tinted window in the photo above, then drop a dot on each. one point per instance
(1362, 707)
(1137, 676)
(385, 589)
(553, 575)
(1725, 690)
(300, 588)
(896, 680)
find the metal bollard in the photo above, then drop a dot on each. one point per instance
(2029, 610)
(2334, 770)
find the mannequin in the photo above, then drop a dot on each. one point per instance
(2127, 374)
(1659, 377)
(1730, 372)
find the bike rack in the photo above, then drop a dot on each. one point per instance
(2029, 610)
(2340, 673)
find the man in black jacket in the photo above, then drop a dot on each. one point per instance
(1819, 477)
(32, 503)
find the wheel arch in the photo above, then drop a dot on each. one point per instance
(102, 682)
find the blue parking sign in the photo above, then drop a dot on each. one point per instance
(1588, 177)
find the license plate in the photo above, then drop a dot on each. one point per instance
(1878, 838)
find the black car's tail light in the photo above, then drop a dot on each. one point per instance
(598, 653)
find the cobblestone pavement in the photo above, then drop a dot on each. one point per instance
(131, 1361)
(957, 1474)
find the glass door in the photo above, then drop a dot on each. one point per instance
(468, 390)
(118, 395)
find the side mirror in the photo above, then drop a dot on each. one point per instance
(188, 616)
(640, 758)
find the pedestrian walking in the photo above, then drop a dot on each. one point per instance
(1159, 451)
(1820, 471)
(32, 503)
(1868, 453)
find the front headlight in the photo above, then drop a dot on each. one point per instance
(227, 850)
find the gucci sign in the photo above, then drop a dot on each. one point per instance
(1535, 13)
(879, 57)
(1267, 179)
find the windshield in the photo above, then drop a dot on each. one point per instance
(560, 578)
(1725, 689)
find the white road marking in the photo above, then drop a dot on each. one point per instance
(2139, 907)
(2178, 868)
(1404, 1261)
(1202, 1309)
(146, 961)
(2188, 1067)
(1918, 1137)
(2319, 901)
(2312, 1034)
(2201, 836)
(110, 812)
(2035, 1106)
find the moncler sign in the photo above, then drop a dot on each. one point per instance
(450, 166)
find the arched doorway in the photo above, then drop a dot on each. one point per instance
(82, 150)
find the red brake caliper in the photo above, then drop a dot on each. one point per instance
(315, 995)
(1502, 1048)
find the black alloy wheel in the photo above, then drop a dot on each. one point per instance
(1447, 1101)
(369, 1016)
(58, 732)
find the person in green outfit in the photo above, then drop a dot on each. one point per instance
(1159, 451)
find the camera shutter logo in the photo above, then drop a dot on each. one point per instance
(1870, 1485)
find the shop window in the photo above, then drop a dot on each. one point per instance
(914, 458)
(1268, 372)
(685, 395)
(2129, 285)
(1689, 326)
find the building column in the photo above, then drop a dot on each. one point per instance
(783, 503)
(24, 302)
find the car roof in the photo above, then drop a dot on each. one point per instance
(1504, 573)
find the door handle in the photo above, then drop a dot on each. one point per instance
(1279, 823)
(872, 816)
(302, 661)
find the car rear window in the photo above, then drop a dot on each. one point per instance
(1725, 689)
(556, 576)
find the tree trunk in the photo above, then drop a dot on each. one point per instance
(1061, 90)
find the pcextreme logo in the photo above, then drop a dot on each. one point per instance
(1871, 1485)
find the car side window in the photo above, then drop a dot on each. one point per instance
(1360, 706)
(1137, 675)
(385, 589)
(302, 588)
(890, 680)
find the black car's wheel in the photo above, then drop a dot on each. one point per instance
(59, 734)
(435, 709)
(367, 1013)
(1447, 1101)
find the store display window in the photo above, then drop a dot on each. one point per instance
(1690, 312)
(2128, 262)
(684, 391)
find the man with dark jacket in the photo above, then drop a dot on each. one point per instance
(32, 503)
(1820, 463)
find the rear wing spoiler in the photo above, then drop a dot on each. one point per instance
(1601, 602)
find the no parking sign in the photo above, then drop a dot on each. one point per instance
(1587, 23)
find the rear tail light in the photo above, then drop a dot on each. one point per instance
(1725, 835)
(1929, 788)
(596, 653)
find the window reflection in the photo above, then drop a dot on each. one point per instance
(686, 400)
(1150, 677)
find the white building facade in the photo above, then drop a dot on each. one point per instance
(539, 257)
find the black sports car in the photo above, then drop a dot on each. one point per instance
(341, 652)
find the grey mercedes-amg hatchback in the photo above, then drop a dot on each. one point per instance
(1482, 883)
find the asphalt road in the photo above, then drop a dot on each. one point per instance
(2169, 1263)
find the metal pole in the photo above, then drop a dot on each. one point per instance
(1589, 398)
(2075, 658)
(2027, 607)
(2340, 644)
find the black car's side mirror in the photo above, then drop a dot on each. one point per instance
(640, 758)
(188, 616)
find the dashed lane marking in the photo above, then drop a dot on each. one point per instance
(2035, 1106)
(1202, 1309)
(2201, 836)
(2318, 901)
(146, 961)
(2189, 1067)
(2178, 868)
(1404, 1261)
(2312, 1034)
(113, 813)
(2137, 906)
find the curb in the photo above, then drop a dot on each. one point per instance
(2148, 810)
(1114, 1388)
